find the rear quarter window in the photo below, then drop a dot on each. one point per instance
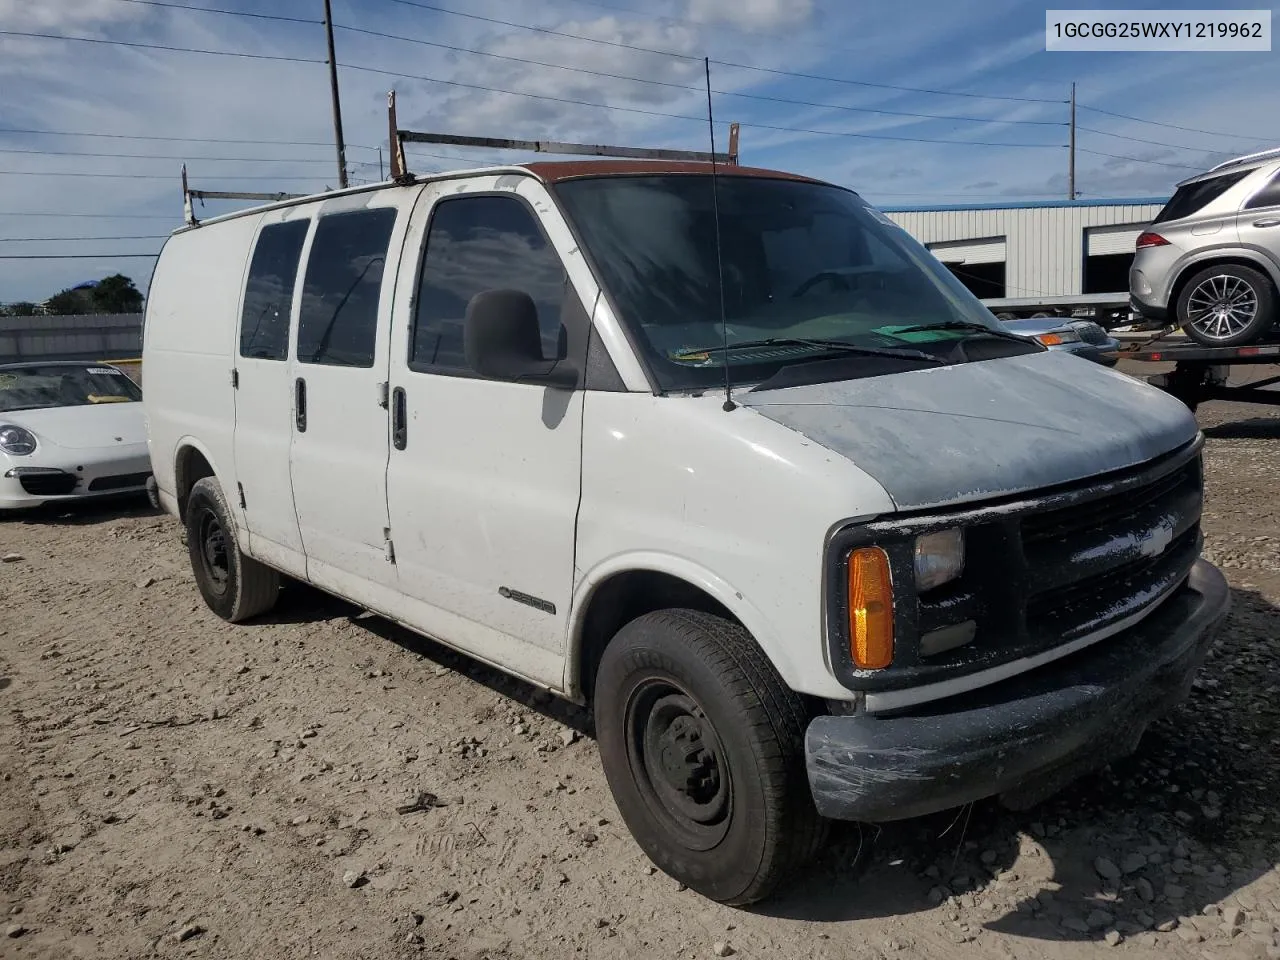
(1194, 197)
(338, 322)
(268, 293)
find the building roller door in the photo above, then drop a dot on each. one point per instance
(1105, 241)
(982, 250)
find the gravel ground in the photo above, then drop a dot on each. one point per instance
(174, 786)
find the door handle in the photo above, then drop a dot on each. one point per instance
(399, 419)
(1271, 222)
(300, 404)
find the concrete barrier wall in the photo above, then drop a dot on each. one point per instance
(82, 337)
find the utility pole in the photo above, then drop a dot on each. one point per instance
(337, 104)
(1070, 163)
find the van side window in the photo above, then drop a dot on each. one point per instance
(476, 244)
(268, 293)
(338, 325)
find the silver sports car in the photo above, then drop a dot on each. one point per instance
(69, 431)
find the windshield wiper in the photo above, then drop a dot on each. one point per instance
(820, 344)
(973, 325)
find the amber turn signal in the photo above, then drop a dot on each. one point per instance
(870, 609)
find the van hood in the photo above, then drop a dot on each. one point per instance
(943, 436)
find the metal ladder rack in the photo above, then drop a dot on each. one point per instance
(400, 171)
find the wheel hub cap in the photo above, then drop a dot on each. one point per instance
(689, 765)
(680, 763)
(1222, 307)
(214, 546)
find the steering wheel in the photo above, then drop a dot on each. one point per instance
(838, 280)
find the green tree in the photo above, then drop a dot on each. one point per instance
(22, 308)
(69, 302)
(116, 294)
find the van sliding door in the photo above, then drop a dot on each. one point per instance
(338, 458)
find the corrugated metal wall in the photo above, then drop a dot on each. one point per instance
(100, 336)
(1045, 245)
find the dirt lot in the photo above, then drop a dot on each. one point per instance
(174, 786)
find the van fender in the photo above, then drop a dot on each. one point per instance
(711, 583)
(242, 532)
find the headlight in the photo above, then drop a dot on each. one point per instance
(17, 440)
(1058, 337)
(939, 558)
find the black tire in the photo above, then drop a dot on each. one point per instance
(234, 586)
(1226, 306)
(728, 812)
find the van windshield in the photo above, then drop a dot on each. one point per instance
(810, 273)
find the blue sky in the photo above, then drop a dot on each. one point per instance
(991, 48)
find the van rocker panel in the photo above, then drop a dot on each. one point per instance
(1026, 736)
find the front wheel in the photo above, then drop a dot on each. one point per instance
(703, 747)
(1226, 306)
(234, 586)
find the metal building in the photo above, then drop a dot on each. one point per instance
(1041, 249)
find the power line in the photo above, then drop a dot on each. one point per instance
(230, 13)
(77, 256)
(545, 30)
(1159, 163)
(131, 176)
(722, 63)
(157, 46)
(91, 216)
(879, 86)
(1171, 126)
(680, 116)
(159, 236)
(682, 86)
(1158, 143)
(161, 156)
(128, 136)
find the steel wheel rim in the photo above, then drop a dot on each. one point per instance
(1222, 307)
(679, 763)
(213, 551)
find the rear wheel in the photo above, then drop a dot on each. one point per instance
(234, 586)
(1226, 306)
(703, 747)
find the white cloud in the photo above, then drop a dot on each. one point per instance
(65, 14)
(754, 15)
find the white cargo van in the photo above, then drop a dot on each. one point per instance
(732, 460)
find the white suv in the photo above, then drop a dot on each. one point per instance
(1210, 261)
(732, 459)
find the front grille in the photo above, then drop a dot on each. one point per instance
(1091, 333)
(1099, 561)
(1105, 512)
(48, 484)
(1039, 572)
(1097, 601)
(121, 481)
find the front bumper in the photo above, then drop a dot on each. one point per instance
(1103, 353)
(1025, 737)
(94, 476)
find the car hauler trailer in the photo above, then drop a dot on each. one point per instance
(1201, 373)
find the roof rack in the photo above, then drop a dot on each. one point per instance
(188, 195)
(1248, 158)
(398, 138)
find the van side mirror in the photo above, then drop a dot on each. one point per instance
(502, 340)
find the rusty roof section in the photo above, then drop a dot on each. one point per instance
(553, 171)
